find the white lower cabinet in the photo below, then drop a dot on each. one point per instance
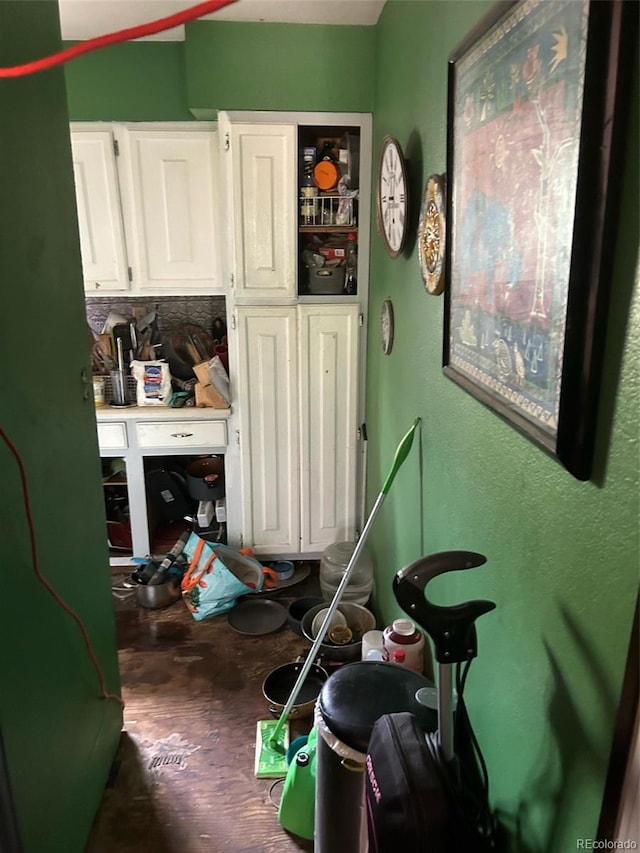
(328, 376)
(297, 403)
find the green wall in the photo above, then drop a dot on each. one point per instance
(134, 81)
(60, 735)
(563, 555)
(237, 66)
(224, 65)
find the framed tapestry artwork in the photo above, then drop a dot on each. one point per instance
(536, 105)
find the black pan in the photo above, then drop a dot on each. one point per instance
(278, 685)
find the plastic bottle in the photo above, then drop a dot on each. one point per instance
(333, 565)
(372, 645)
(403, 634)
(351, 272)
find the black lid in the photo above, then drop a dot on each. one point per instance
(355, 696)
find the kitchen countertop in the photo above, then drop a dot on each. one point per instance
(159, 413)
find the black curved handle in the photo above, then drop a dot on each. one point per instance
(452, 629)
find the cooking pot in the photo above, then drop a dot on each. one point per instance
(359, 620)
(278, 685)
(205, 478)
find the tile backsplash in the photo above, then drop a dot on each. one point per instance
(172, 310)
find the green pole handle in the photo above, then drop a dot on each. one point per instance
(401, 454)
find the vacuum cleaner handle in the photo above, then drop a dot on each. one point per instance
(452, 629)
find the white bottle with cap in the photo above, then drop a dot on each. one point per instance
(403, 634)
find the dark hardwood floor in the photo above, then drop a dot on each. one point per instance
(183, 780)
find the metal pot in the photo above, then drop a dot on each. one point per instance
(205, 478)
(359, 619)
(158, 595)
(278, 685)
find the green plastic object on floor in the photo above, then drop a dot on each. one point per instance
(297, 806)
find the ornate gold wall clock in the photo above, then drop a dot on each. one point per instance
(393, 197)
(432, 235)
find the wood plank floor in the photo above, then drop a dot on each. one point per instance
(183, 780)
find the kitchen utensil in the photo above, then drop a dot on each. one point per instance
(158, 595)
(300, 573)
(357, 618)
(297, 610)
(276, 688)
(284, 569)
(255, 618)
(205, 478)
(118, 388)
(192, 343)
(338, 618)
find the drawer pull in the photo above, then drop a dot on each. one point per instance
(181, 434)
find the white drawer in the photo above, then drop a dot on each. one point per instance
(182, 434)
(112, 436)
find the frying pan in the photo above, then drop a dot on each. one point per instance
(278, 685)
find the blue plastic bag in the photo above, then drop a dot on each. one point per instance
(216, 577)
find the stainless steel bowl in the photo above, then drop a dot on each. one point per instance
(159, 595)
(359, 619)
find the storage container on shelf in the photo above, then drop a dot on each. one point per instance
(333, 565)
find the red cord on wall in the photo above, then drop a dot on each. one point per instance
(44, 581)
(138, 31)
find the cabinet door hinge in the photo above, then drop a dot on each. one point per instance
(238, 437)
(227, 142)
(233, 321)
(130, 273)
(116, 148)
(232, 279)
(242, 540)
(361, 319)
(358, 434)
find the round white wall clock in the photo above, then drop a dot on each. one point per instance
(386, 326)
(393, 197)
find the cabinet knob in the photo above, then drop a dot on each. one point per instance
(181, 434)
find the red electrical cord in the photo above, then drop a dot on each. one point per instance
(44, 581)
(138, 31)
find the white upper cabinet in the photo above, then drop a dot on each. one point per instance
(148, 198)
(259, 166)
(104, 260)
(172, 181)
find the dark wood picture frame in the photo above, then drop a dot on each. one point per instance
(537, 96)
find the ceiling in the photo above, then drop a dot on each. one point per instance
(83, 19)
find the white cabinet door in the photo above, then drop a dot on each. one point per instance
(329, 407)
(172, 189)
(104, 263)
(259, 161)
(267, 387)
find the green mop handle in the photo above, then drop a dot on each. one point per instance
(401, 454)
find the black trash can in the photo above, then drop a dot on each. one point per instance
(350, 702)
